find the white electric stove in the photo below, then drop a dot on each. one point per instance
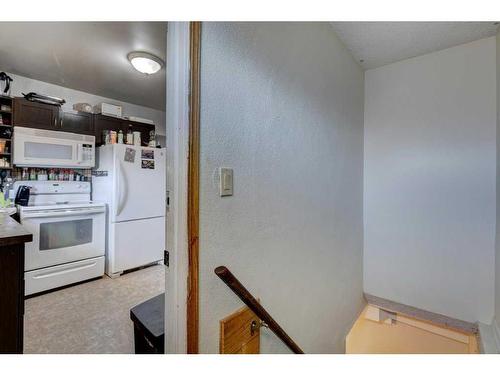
(69, 233)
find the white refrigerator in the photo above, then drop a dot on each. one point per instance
(131, 180)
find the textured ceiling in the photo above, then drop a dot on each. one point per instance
(87, 56)
(375, 44)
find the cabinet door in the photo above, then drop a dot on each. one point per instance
(79, 122)
(107, 123)
(35, 115)
(144, 129)
(12, 298)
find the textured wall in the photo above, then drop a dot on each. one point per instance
(23, 84)
(497, 244)
(282, 104)
(429, 198)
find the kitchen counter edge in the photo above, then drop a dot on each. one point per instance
(12, 233)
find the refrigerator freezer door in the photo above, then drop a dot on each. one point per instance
(140, 181)
(136, 243)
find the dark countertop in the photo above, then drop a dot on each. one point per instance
(12, 233)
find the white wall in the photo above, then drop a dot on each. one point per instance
(282, 104)
(429, 198)
(497, 244)
(25, 85)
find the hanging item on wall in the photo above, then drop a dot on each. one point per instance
(5, 81)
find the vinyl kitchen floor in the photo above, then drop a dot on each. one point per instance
(92, 317)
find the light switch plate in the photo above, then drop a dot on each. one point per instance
(225, 182)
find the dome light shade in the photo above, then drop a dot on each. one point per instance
(145, 62)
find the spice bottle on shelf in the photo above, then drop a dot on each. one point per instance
(152, 139)
(42, 175)
(130, 136)
(105, 137)
(112, 135)
(32, 174)
(120, 137)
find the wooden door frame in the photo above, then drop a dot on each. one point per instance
(183, 144)
(192, 318)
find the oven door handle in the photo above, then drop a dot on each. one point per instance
(56, 213)
(64, 271)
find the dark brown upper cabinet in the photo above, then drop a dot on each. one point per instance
(45, 116)
(76, 122)
(35, 115)
(102, 122)
(144, 129)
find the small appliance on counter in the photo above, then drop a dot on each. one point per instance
(69, 233)
(132, 181)
(22, 195)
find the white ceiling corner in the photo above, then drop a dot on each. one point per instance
(374, 44)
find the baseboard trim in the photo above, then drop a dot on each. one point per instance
(488, 343)
(415, 312)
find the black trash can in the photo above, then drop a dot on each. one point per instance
(149, 326)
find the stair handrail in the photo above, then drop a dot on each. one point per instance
(253, 304)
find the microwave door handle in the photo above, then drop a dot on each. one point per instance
(79, 153)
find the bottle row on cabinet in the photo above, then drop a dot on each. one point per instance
(51, 174)
(131, 138)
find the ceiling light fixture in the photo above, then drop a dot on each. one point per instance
(145, 62)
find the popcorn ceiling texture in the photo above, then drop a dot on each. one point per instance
(282, 104)
(381, 43)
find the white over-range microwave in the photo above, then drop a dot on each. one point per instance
(48, 148)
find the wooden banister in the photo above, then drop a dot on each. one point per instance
(234, 284)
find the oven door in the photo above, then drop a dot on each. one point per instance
(64, 235)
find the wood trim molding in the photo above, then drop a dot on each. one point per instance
(193, 187)
(416, 313)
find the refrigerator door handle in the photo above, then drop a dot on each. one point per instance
(118, 188)
(122, 190)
